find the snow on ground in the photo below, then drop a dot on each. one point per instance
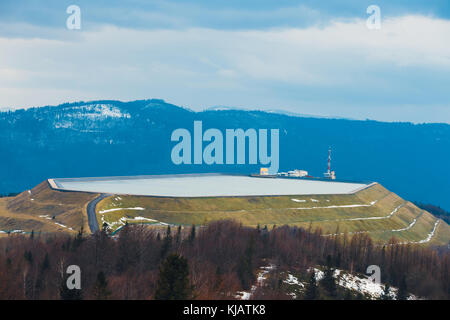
(94, 111)
(377, 218)
(314, 200)
(431, 234)
(118, 209)
(297, 200)
(123, 220)
(142, 218)
(409, 226)
(243, 295)
(362, 285)
(293, 280)
(343, 206)
(63, 226)
(427, 239)
(46, 216)
(262, 276)
(359, 284)
(366, 231)
(17, 231)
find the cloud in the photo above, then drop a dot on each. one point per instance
(341, 69)
(211, 14)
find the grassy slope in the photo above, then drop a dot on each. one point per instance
(69, 209)
(23, 211)
(282, 210)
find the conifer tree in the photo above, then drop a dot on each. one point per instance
(101, 291)
(167, 243)
(46, 263)
(402, 294)
(311, 288)
(245, 266)
(386, 293)
(192, 234)
(78, 239)
(173, 282)
(328, 281)
(178, 236)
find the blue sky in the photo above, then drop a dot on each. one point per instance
(307, 57)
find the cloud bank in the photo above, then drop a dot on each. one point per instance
(398, 73)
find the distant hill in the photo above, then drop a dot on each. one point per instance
(107, 138)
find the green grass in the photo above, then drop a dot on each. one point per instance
(25, 210)
(282, 210)
(69, 208)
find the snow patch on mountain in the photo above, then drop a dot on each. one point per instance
(89, 112)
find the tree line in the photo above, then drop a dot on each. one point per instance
(211, 262)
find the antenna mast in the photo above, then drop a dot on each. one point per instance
(329, 162)
(329, 174)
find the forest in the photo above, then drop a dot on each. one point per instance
(211, 262)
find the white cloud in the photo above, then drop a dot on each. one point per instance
(313, 69)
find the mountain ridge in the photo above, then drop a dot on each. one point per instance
(110, 137)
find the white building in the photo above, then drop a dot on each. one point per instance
(297, 173)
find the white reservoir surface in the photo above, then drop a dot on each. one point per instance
(205, 185)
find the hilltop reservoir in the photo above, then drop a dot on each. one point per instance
(206, 185)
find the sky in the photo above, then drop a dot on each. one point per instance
(306, 57)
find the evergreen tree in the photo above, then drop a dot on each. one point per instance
(41, 280)
(402, 294)
(78, 239)
(192, 234)
(328, 281)
(167, 243)
(101, 291)
(46, 263)
(178, 236)
(385, 295)
(173, 282)
(311, 288)
(245, 266)
(28, 256)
